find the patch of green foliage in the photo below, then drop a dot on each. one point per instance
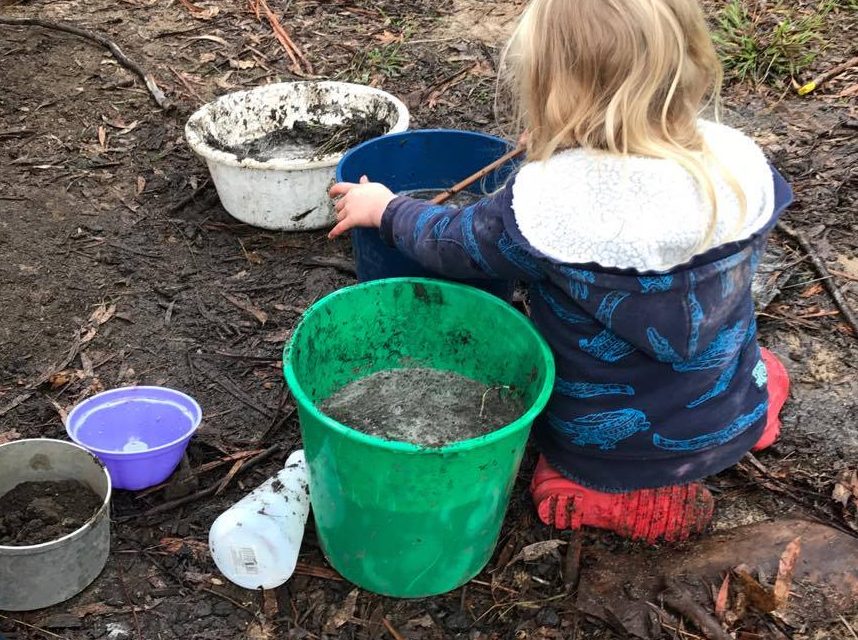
(773, 44)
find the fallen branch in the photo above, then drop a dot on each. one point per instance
(208, 491)
(292, 50)
(825, 275)
(826, 75)
(678, 599)
(104, 41)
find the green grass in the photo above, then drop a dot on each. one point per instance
(773, 45)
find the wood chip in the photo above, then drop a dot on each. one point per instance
(537, 550)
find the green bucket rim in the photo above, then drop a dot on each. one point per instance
(526, 419)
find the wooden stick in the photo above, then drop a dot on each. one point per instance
(391, 629)
(682, 603)
(827, 280)
(827, 75)
(441, 198)
(104, 41)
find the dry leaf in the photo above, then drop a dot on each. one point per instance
(116, 123)
(537, 550)
(8, 436)
(256, 312)
(198, 549)
(277, 337)
(102, 314)
(199, 12)
(86, 363)
(102, 136)
(92, 609)
(812, 290)
(259, 631)
(242, 64)
(721, 600)
(345, 613)
(197, 578)
(60, 378)
(846, 486)
(786, 568)
(758, 596)
(211, 38)
(208, 56)
(141, 184)
(386, 37)
(224, 83)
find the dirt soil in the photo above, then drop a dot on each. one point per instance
(306, 140)
(37, 512)
(427, 407)
(120, 267)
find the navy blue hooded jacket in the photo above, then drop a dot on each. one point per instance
(659, 376)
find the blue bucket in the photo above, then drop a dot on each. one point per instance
(421, 159)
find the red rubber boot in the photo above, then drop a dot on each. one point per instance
(778, 386)
(672, 514)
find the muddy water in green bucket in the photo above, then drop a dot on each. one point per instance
(392, 517)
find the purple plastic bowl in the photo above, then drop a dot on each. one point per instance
(139, 433)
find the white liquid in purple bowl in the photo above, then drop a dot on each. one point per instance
(133, 425)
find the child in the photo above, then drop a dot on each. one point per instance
(638, 228)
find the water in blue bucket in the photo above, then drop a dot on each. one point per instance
(421, 160)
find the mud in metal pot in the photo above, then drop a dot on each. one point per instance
(41, 575)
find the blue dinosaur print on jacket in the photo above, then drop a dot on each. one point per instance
(559, 310)
(591, 389)
(424, 219)
(726, 272)
(440, 227)
(603, 429)
(696, 312)
(609, 304)
(578, 279)
(760, 374)
(655, 284)
(661, 346)
(720, 386)
(720, 351)
(606, 346)
(514, 253)
(470, 240)
(712, 439)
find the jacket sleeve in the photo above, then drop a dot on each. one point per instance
(471, 242)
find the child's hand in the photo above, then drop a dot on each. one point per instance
(361, 205)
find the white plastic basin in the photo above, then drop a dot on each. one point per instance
(281, 194)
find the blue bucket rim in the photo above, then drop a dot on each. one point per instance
(413, 133)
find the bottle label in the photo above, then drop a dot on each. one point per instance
(244, 561)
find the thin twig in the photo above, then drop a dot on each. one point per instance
(30, 626)
(442, 197)
(806, 245)
(391, 629)
(849, 627)
(104, 41)
(128, 599)
(211, 489)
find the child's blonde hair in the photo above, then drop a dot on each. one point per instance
(623, 76)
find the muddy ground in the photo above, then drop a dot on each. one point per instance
(120, 267)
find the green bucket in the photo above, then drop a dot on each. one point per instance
(392, 517)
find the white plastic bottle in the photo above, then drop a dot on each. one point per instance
(255, 542)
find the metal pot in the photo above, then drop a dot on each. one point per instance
(41, 575)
